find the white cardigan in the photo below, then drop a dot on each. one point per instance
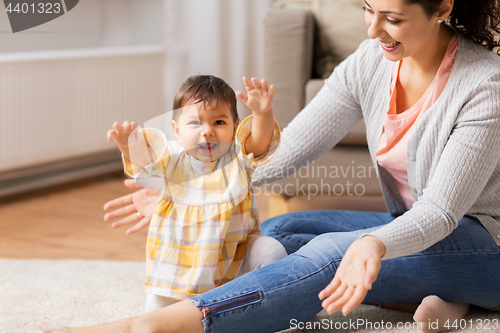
(453, 153)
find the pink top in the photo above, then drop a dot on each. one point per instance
(391, 150)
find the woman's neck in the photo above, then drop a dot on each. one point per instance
(428, 61)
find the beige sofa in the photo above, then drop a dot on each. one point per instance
(303, 42)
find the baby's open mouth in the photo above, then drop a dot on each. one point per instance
(207, 147)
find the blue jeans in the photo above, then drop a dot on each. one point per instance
(462, 267)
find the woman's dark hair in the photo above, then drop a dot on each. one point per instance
(207, 89)
(478, 20)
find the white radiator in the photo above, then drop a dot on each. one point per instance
(55, 109)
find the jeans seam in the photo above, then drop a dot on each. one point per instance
(292, 239)
(279, 227)
(306, 276)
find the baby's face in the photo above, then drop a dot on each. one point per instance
(205, 133)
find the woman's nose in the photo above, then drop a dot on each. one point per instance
(375, 29)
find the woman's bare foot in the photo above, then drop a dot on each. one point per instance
(49, 326)
(434, 313)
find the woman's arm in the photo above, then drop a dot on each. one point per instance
(471, 154)
(314, 131)
(330, 115)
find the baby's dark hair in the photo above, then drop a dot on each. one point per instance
(206, 89)
(478, 20)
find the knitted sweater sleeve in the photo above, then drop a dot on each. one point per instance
(319, 126)
(464, 168)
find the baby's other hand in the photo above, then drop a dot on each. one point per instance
(121, 132)
(259, 96)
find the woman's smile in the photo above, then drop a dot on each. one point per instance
(389, 46)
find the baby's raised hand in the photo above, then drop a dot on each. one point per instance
(121, 132)
(259, 96)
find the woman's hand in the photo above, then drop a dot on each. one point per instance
(142, 202)
(354, 277)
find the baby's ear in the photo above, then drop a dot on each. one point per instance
(236, 123)
(175, 129)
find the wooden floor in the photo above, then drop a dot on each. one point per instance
(67, 222)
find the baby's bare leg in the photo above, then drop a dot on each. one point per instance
(261, 251)
(125, 325)
(156, 302)
(180, 317)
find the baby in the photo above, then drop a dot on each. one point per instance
(205, 230)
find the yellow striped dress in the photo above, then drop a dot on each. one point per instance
(205, 216)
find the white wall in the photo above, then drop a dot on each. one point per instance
(218, 37)
(91, 24)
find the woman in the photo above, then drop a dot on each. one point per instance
(439, 175)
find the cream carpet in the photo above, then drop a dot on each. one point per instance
(81, 292)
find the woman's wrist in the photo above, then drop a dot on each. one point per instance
(377, 243)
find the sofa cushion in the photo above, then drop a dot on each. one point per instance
(288, 58)
(341, 28)
(293, 4)
(357, 135)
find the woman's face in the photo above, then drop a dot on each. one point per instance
(403, 30)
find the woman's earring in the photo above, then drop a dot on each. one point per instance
(440, 21)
